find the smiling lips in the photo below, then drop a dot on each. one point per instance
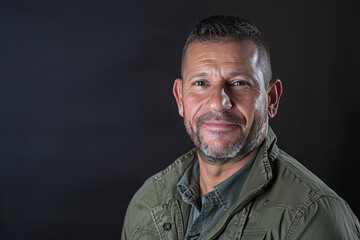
(225, 121)
(220, 125)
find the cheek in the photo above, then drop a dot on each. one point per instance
(193, 103)
(245, 104)
(251, 100)
(261, 102)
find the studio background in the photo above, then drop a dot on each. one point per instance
(87, 112)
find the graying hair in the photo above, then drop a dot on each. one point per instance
(222, 29)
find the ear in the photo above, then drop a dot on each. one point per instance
(177, 91)
(274, 93)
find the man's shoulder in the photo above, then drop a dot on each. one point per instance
(291, 186)
(162, 185)
(293, 172)
(314, 206)
(301, 191)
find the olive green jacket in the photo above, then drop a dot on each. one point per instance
(281, 199)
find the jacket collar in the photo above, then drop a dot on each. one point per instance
(169, 178)
(261, 172)
(259, 176)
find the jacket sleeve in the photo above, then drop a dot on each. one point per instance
(328, 218)
(125, 229)
(130, 221)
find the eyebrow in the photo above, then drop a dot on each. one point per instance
(231, 75)
(198, 74)
(234, 74)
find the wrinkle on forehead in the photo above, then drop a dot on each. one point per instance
(201, 55)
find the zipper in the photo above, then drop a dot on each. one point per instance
(236, 210)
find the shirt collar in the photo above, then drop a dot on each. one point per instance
(188, 185)
(227, 191)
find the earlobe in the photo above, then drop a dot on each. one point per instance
(274, 93)
(177, 91)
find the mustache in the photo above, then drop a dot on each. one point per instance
(224, 116)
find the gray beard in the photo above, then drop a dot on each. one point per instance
(236, 151)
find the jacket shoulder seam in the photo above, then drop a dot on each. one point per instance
(299, 213)
(305, 208)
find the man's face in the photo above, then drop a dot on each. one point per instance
(223, 99)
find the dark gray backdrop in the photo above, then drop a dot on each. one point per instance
(87, 112)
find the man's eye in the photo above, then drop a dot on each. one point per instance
(199, 83)
(239, 83)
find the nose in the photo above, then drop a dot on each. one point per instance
(218, 100)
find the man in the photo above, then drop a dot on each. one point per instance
(236, 183)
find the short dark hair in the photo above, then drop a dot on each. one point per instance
(222, 28)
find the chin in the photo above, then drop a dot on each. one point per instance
(220, 150)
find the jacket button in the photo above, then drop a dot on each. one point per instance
(167, 226)
(244, 211)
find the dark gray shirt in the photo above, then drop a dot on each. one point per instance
(206, 210)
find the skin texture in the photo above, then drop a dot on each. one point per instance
(226, 105)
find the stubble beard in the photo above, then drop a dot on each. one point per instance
(236, 151)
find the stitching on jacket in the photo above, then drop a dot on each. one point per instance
(299, 213)
(156, 224)
(293, 169)
(178, 161)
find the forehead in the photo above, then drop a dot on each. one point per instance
(242, 54)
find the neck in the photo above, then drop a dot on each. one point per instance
(211, 175)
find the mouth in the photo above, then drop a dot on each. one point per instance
(225, 122)
(220, 125)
